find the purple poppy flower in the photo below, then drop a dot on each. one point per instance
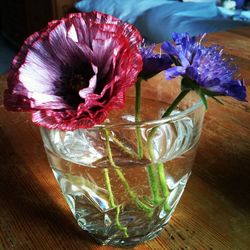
(210, 73)
(73, 73)
(153, 63)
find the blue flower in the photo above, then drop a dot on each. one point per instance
(153, 63)
(205, 69)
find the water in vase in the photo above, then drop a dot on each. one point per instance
(81, 166)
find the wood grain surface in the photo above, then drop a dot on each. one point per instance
(214, 212)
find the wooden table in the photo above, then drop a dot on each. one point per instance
(214, 212)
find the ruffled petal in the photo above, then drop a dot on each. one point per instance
(75, 72)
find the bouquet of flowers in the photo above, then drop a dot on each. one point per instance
(71, 76)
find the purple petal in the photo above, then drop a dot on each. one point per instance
(153, 63)
(192, 73)
(169, 48)
(64, 48)
(234, 88)
(206, 66)
(174, 72)
(183, 60)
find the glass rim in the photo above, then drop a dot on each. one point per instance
(154, 122)
(143, 123)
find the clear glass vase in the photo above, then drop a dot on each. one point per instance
(122, 180)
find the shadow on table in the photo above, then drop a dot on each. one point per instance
(29, 215)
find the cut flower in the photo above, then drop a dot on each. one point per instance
(73, 73)
(153, 63)
(204, 69)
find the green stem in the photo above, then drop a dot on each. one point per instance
(153, 176)
(138, 118)
(113, 205)
(175, 102)
(153, 179)
(118, 171)
(108, 185)
(164, 187)
(152, 172)
(127, 150)
(118, 223)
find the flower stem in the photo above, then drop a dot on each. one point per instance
(152, 171)
(113, 205)
(153, 176)
(164, 187)
(118, 223)
(153, 183)
(108, 185)
(153, 179)
(175, 102)
(127, 150)
(118, 171)
(138, 118)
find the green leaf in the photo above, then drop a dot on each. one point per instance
(211, 94)
(217, 100)
(203, 99)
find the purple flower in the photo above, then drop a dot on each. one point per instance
(153, 63)
(72, 74)
(207, 70)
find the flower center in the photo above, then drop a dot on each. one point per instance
(72, 81)
(77, 82)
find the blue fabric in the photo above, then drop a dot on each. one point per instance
(127, 10)
(157, 20)
(158, 24)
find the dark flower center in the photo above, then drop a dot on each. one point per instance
(72, 80)
(77, 82)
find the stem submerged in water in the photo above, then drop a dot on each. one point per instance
(125, 149)
(160, 172)
(125, 183)
(155, 170)
(113, 205)
(108, 185)
(153, 180)
(118, 223)
(163, 184)
(138, 118)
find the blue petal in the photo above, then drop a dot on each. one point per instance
(184, 61)
(237, 90)
(169, 48)
(213, 83)
(192, 73)
(153, 63)
(174, 72)
(156, 64)
(205, 65)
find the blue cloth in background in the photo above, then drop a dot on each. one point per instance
(157, 20)
(126, 10)
(159, 23)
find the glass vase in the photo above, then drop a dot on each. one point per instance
(122, 180)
